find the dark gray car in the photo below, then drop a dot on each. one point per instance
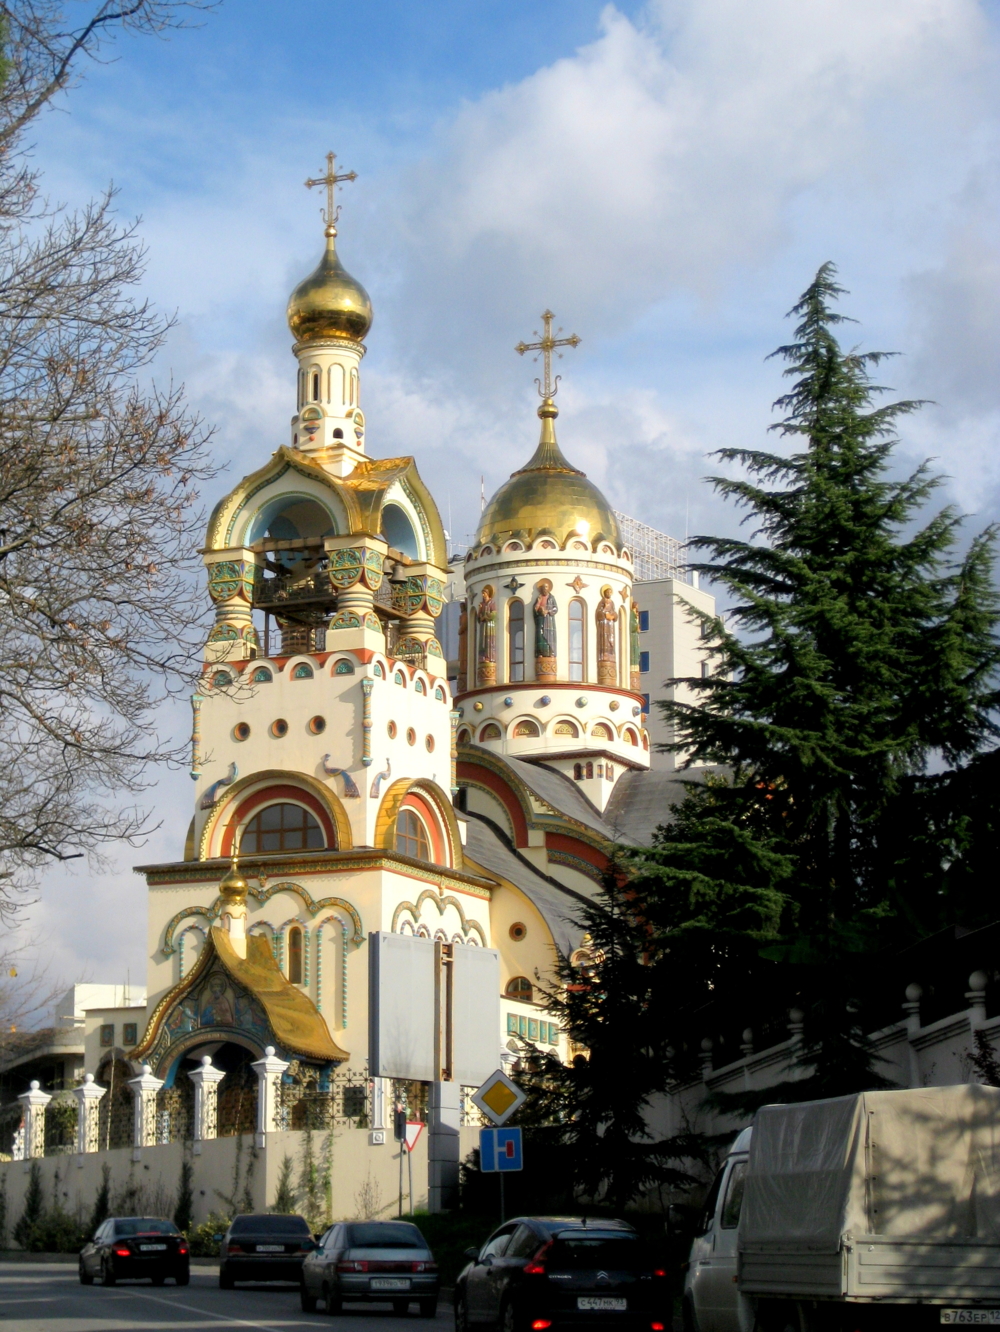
(264, 1247)
(374, 1262)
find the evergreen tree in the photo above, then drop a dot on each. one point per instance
(102, 1203)
(860, 649)
(34, 1207)
(590, 1115)
(184, 1210)
(286, 1196)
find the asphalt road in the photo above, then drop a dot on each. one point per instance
(48, 1297)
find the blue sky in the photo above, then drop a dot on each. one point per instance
(666, 176)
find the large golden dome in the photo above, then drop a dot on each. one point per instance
(547, 493)
(329, 303)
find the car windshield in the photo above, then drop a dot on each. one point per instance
(269, 1225)
(142, 1225)
(385, 1235)
(585, 1252)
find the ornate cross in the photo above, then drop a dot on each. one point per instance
(331, 180)
(546, 344)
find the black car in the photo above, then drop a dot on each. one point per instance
(537, 1273)
(375, 1262)
(126, 1248)
(261, 1246)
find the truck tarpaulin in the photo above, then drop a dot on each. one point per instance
(923, 1163)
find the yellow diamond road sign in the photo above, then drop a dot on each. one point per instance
(498, 1097)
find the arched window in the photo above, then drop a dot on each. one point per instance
(411, 836)
(515, 641)
(262, 675)
(283, 827)
(315, 386)
(590, 770)
(302, 672)
(576, 639)
(295, 955)
(519, 987)
(600, 731)
(578, 772)
(491, 731)
(524, 728)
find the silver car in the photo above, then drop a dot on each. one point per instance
(374, 1262)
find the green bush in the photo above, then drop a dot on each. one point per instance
(55, 1231)
(202, 1239)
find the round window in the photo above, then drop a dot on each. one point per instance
(279, 728)
(411, 736)
(429, 742)
(518, 931)
(391, 728)
(241, 731)
(317, 725)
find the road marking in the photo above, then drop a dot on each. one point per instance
(205, 1313)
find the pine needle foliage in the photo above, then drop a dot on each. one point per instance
(860, 651)
(591, 1114)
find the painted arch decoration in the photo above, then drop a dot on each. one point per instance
(428, 895)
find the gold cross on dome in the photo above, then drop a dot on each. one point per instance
(331, 180)
(546, 344)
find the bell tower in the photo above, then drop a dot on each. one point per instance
(330, 314)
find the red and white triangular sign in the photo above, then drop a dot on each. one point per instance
(414, 1128)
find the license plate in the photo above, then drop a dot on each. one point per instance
(149, 1248)
(270, 1248)
(987, 1316)
(390, 1283)
(602, 1303)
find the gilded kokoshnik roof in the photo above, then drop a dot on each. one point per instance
(296, 1022)
(359, 497)
(548, 494)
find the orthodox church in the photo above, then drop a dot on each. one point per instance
(388, 849)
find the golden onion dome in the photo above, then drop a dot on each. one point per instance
(548, 494)
(234, 884)
(329, 303)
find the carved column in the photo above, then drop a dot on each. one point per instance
(269, 1071)
(357, 568)
(144, 1089)
(206, 1081)
(421, 598)
(914, 993)
(232, 576)
(88, 1114)
(34, 1102)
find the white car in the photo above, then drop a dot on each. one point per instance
(712, 1302)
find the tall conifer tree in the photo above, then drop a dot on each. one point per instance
(861, 649)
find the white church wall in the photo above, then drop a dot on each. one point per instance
(364, 1178)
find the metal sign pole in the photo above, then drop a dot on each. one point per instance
(409, 1167)
(503, 1211)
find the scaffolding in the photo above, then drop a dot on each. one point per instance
(656, 555)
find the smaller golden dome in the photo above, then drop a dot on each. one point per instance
(549, 494)
(329, 303)
(234, 884)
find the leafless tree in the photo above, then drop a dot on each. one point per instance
(28, 991)
(99, 467)
(43, 49)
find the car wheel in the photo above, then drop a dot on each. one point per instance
(334, 1304)
(461, 1314)
(400, 1306)
(183, 1278)
(308, 1301)
(159, 1281)
(428, 1308)
(688, 1321)
(108, 1277)
(226, 1281)
(509, 1322)
(85, 1278)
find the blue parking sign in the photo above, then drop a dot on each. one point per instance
(500, 1149)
